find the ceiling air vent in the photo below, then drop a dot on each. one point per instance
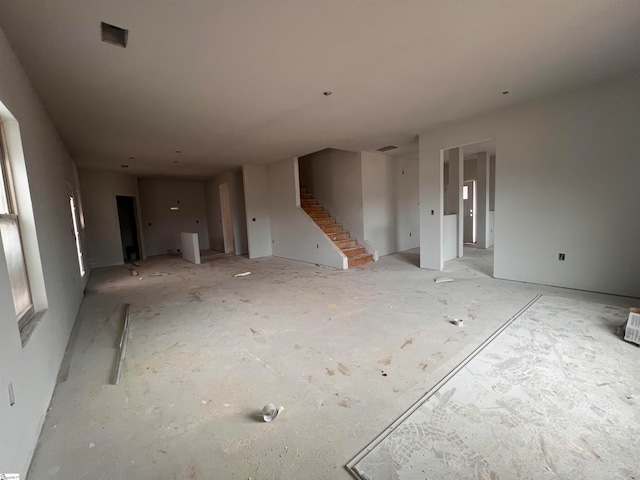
(386, 149)
(114, 35)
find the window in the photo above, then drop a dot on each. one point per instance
(76, 233)
(12, 240)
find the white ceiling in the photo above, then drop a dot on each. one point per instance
(240, 82)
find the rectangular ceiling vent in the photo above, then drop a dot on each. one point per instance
(386, 149)
(114, 35)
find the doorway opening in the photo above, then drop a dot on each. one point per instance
(129, 232)
(469, 201)
(227, 222)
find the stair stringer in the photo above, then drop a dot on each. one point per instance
(329, 242)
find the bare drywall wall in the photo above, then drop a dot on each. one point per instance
(168, 208)
(450, 237)
(238, 215)
(257, 201)
(32, 369)
(390, 202)
(471, 169)
(406, 202)
(492, 184)
(492, 226)
(334, 177)
(99, 191)
(378, 201)
(567, 183)
(294, 234)
(372, 195)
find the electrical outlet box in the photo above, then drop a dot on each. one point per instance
(561, 257)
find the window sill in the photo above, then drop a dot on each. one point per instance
(28, 325)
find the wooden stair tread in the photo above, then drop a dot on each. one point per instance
(361, 259)
(328, 229)
(346, 243)
(339, 235)
(356, 254)
(352, 251)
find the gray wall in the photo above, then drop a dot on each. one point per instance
(99, 191)
(45, 173)
(294, 235)
(406, 202)
(161, 226)
(567, 182)
(334, 177)
(255, 180)
(372, 195)
(238, 214)
(378, 201)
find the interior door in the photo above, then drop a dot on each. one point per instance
(469, 199)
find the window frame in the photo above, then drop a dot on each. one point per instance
(7, 189)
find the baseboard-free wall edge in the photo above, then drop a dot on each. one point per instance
(352, 467)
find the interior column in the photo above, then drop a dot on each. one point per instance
(482, 200)
(431, 174)
(454, 193)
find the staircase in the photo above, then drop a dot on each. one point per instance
(349, 246)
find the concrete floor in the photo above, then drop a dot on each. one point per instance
(345, 352)
(554, 396)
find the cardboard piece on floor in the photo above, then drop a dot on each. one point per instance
(632, 326)
(443, 280)
(190, 247)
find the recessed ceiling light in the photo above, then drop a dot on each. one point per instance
(114, 35)
(124, 166)
(506, 92)
(326, 93)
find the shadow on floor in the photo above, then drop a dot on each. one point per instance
(411, 257)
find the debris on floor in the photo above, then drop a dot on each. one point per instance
(242, 274)
(326, 266)
(458, 321)
(632, 326)
(443, 280)
(270, 412)
(137, 263)
(134, 273)
(123, 346)
(159, 274)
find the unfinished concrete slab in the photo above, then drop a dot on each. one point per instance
(346, 352)
(553, 395)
